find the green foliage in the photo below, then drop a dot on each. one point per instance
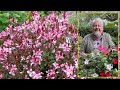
(21, 16)
(1, 42)
(95, 63)
(43, 13)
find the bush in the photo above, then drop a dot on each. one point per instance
(44, 48)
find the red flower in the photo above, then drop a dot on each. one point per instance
(115, 61)
(107, 74)
(102, 73)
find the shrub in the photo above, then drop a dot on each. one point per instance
(44, 48)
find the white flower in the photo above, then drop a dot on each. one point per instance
(22, 58)
(13, 48)
(86, 61)
(94, 75)
(92, 54)
(67, 39)
(105, 64)
(53, 51)
(31, 73)
(83, 77)
(83, 54)
(109, 66)
(38, 37)
(38, 44)
(116, 70)
(98, 53)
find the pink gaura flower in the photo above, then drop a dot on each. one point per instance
(63, 28)
(59, 55)
(37, 76)
(65, 47)
(36, 58)
(54, 42)
(8, 43)
(36, 61)
(26, 77)
(13, 70)
(13, 20)
(25, 67)
(38, 53)
(56, 65)
(34, 75)
(51, 74)
(1, 76)
(31, 73)
(69, 70)
(6, 66)
(3, 33)
(7, 50)
(3, 55)
(74, 35)
(76, 63)
(37, 44)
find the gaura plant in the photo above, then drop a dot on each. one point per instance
(44, 48)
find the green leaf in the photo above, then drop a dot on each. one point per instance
(3, 20)
(1, 42)
(6, 14)
(16, 15)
